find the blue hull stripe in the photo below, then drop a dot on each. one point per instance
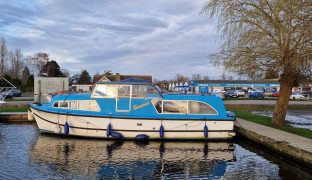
(127, 117)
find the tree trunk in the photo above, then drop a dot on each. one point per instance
(281, 106)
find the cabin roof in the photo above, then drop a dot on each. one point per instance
(129, 81)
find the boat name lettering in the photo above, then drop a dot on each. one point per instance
(136, 107)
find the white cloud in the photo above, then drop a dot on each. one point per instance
(160, 38)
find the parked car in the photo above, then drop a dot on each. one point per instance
(217, 94)
(231, 93)
(309, 92)
(12, 93)
(297, 96)
(256, 94)
(275, 94)
(240, 93)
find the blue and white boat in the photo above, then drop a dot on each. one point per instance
(134, 109)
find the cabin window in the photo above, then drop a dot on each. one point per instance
(183, 107)
(196, 107)
(63, 104)
(104, 90)
(73, 104)
(123, 91)
(175, 107)
(139, 91)
(55, 104)
(157, 104)
(87, 105)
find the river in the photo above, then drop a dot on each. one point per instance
(27, 154)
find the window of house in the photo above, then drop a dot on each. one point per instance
(196, 107)
(175, 107)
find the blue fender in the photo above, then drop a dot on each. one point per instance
(205, 131)
(141, 137)
(161, 132)
(116, 135)
(109, 130)
(66, 128)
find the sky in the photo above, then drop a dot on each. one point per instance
(159, 38)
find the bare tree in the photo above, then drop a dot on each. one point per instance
(196, 77)
(181, 78)
(3, 56)
(206, 78)
(37, 62)
(16, 63)
(266, 34)
(223, 76)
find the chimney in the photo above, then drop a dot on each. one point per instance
(117, 77)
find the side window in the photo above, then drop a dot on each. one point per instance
(73, 105)
(139, 91)
(123, 91)
(86, 105)
(200, 108)
(157, 105)
(93, 106)
(55, 104)
(175, 107)
(99, 91)
(104, 90)
(63, 104)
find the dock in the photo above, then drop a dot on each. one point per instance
(289, 145)
(13, 117)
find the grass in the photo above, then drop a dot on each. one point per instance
(264, 120)
(14, 108)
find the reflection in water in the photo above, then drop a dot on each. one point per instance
(129, 159)
(295, 118)
(24, 153)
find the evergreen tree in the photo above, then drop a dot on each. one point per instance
(74, 79)
(52, 69)
(25, 76)
(84, 77)
(30, 83)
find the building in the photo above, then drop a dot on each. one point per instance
(223, 85)
(81, 87)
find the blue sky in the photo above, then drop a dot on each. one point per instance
(159, 38)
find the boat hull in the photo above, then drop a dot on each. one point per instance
(96, 127)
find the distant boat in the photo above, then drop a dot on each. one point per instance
(134, 109)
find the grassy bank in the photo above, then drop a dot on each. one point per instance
(23, 108)
(264, 120)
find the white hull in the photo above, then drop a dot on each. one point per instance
(130, 128)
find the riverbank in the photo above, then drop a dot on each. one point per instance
(8, 117)
(289, 145)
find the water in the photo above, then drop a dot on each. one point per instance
(27, 154)
(295, 118)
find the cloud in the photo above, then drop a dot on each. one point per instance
(160, 38)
